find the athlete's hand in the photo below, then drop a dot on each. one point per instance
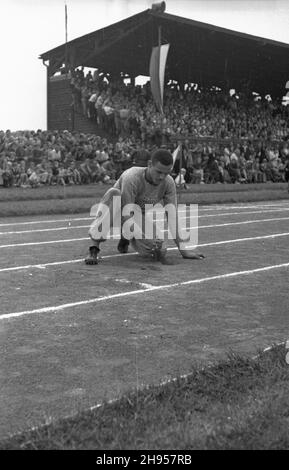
(190, 254)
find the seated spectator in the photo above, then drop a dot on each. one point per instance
(243, 171)
(55, 172)
(16, 171)
(263, 171)
(224, 174)
(73, 174)
(42, 173)
(62, 175)
(256, 170)
(109, 169)
(249, 168)
(272, 172)
(211, 170)
(86, 172)
(33, 178)
(7, 175)
(54, 153)
(102, 155)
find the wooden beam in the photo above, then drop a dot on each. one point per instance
(100, 50)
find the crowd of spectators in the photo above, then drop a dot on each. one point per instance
(124, 109)
(225, 139)
(35, 158)
(234, 163)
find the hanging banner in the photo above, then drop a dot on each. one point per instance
(157, 73)
(176, 153)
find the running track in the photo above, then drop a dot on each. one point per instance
(73, 335)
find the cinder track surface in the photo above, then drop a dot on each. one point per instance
(73, 335)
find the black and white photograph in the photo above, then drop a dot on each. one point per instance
(144, 228)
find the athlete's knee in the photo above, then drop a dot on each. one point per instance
(105, 202)
(109, 195)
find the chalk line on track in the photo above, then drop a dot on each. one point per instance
(235, 223)
(53, 229)
(57, 308)
(250, 206)
(71, 227)
(279, 207)
(67, 240)
(230, 274)
(51, 221)
(163, 231)
(221, 242)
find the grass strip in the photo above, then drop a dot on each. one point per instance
(96, 190)
(238, 403)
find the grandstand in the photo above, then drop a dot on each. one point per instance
(222, 100)
(135, 353)
(200, 53)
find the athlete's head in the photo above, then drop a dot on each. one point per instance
(160, 165)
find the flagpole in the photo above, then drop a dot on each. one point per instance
(66, 54)
(181, 160)
(159, 38)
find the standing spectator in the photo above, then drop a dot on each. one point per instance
(91, 105)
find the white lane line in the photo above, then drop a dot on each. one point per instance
(67, 240)
(53, 229)
(250, 206)
(201, 209)
(80, 260)
(162, 231)
(57, 308)
(232, 223)
(59, 263)
(245, 222)
(244, 212)
(77, 227)
(54, 221)
(224, 214)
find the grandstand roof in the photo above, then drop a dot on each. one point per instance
(199, 53)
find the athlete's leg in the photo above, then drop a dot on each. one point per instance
(104, 221)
